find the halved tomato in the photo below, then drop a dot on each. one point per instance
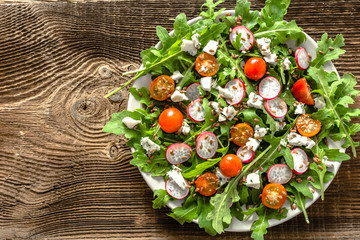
(162, 87)
(307, 126)
(206, 65)
(302, 92)
(273, 195)
(230, 165)
(241, 133)
(207, 184)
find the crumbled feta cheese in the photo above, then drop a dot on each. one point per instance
(228, 113)
(215, 106)
(327, 162)
(211, 47)
(253, 180)
(195, 40)
(205, 83)
(177, 177)
(319, 102)
(185, 129)
(242, 64)
(279, 125)
(272, 59)
(221, 177)
(255, 101)
(298, 140)
(224, 91)
(130, 122)
(287, 64)
(188, 46)
(283, 142)
(264, 46)
(176, 76)
(259, 131)
(300, 108)
(177, 96)
(252, 144)
(149, 145)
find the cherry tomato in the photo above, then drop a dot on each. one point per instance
(255, 68)
(207, 184)
(230, 165)
(162, 88)
(307, 126)
(302, 92)
(240, 133)
(206, 65)
(171, 120)
(274, 195)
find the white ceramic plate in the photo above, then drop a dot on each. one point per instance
(236, 225)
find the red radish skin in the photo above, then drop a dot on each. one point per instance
(206, 141)
(236, 30)
(237, 89)
(302, 58)
(192, 91)
(247, 157)
(195, 107)
(285, 170)
(269, 84)
(301, 164)
(175, 191)
(273, 105)
(178, 153)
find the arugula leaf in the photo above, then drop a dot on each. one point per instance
(185, 213)
(166, 40)
(300, 200)
(302, 187)
(320, 175)
(200, 168)
(330, 49)
(249, 19)
(181, 28)
(210, 12)
(145, 95)
(116, 126)
(289, 158)
(336, 155)
(161, 198)
(212, 33)
(205, 208)
(274, 10)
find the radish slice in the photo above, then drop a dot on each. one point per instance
(175, 191)
(279, 173)
(302, 58)
(178, 153)
(245, 155)
(247, 37)
(237, 89)
(301, 161)
(206, 145)
(196, 111)
(276, 107)
(192, 91)
(269, 88)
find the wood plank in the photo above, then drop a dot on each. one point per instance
(62, 178)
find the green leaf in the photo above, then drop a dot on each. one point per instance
(145, 95)
(300, 200)
(161, 198)
(336, 155)
(164, 37)
(185, 214)
(302, 187)
(181, 28)
(200, 168)
(204, 209)
(320, 175)
(212, 33)
(274, 10)
(116, 126)
(289, 158)
(249, 19)
(210, 12)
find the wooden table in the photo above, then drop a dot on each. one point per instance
(61, 177)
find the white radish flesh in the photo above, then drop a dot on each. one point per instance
(206, 145)
(247, 37)
(178, 153)
(196, 111)
(279, 173)
(245, 155)
(269, 88)
(237, 89)
(302, 58)
(301, 161)
(276, 107)
(192, 91)
(175, 191)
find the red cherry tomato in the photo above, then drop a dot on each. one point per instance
(230, 165)
(162, 88)
(302, 92)
(255, 68)
(207, 184)
(206, 65)
(274, 195)
(307, 126)
(171, 120)
(241, 133)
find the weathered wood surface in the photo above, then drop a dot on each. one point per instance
(62, 178)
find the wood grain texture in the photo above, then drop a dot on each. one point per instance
(61, 177)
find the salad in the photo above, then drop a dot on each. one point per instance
(235, 121)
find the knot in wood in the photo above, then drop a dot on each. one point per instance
(84, 108)
(105, 71)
